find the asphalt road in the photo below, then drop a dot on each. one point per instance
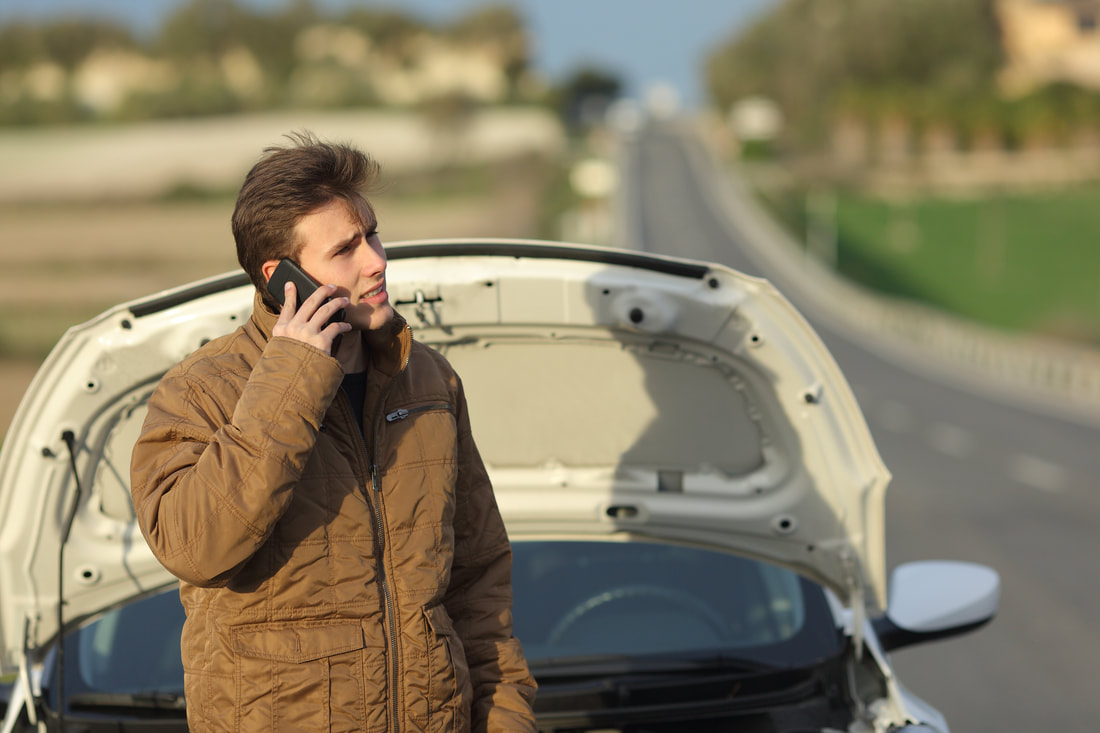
(975, 478)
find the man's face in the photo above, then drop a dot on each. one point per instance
(340, 245)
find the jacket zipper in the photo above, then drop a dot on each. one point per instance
(391, 614)
(394, 416)
(374, 500)
(401, 413)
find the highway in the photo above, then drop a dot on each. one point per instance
(976, 477)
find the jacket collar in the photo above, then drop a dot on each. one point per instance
(388, 352)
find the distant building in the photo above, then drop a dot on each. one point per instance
(1048, 41)
(333, 65)
(439, 69)
(107, 77)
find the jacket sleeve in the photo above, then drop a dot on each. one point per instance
(479, 599)
(210, 478)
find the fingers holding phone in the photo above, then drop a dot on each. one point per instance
(312, 323)
(319, 320)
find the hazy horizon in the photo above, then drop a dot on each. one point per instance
(664, 43)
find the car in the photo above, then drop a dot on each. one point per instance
(694, 500)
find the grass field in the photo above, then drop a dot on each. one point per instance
(1024, 262)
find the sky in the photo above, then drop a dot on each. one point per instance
(643, 42)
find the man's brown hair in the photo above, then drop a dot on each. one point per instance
(288, 183)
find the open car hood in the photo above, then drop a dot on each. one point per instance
(612, 394)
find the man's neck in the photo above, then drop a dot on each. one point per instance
(350, 353)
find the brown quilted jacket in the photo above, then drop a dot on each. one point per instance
(333, 580)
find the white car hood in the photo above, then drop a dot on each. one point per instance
(612, 394)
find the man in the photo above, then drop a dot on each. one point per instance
(317, 491)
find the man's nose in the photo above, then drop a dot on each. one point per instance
(374, 261)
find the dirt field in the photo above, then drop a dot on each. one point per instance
(60, 265)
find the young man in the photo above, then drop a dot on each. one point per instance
(317, 491)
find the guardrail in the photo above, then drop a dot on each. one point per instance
(1040, 373)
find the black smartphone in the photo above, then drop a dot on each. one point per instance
(288, 271)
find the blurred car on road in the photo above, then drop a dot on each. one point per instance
(693, 497)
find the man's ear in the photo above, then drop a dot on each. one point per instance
(269, 267)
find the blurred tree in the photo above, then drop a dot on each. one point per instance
(65, 42)
(68, 42)
(583, 98)
(502, 28)
(222, 56)
(20, 46)
(389, 31)
(198, 95)
(271, 38)
(203, 28)
(25, 111)
(816, 57)
(202, 35)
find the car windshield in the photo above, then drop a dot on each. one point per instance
(125, 659)
(575, 603)
(133, 649)
(598, 600)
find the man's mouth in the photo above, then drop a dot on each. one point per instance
(374, 293)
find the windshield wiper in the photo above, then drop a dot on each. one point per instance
(99, 701)
(619, 665)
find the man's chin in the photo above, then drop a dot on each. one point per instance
(372, 320)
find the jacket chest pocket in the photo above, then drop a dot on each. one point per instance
(316, 676)
(418, 435)
(419, 470)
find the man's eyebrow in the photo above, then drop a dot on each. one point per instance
(345, 242)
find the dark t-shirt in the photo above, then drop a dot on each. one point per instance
(355, 387)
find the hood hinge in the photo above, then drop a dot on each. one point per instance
(853, 579)
(22, 694)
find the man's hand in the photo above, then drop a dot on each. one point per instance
(307, 324)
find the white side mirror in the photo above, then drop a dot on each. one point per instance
(937, 599)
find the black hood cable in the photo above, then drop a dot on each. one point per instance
(70, 441)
